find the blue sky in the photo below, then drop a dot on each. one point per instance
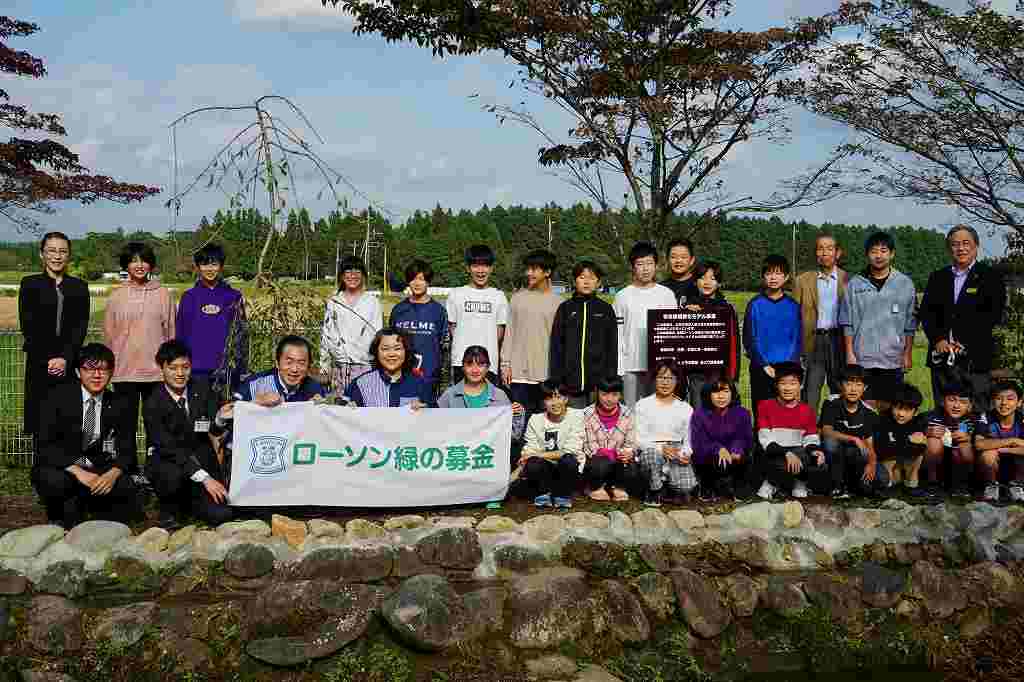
(397, 122)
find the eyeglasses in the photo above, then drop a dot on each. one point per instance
(94, 370)
(56, 252)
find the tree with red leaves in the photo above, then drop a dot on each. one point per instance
(35, 172)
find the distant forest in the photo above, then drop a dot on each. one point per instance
(307, 248)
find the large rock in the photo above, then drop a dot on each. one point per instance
(627, 622)
(427, 613)
(702, 606)
(485, 609)
(552, 667)
(783, 596)
(840, 596)
(864, 519)
(651, 525)
(595, 673)
(742, 593)
(54, 625)
(941, 593)
(152, 540)
(512, 559)
(455, 548)
(249, 560)
(293, 531)
(97, 536)
(181, 538)
(586, 520)
(605, 559)
(123, 626)
(792, 514)
(760, 515)
(621, 527)
(361, 530)
(545, 528)
(548, 608)
(25, 543)
(320, 528)
(781, 554)
(993, 584)
(826, 518)
(405, 522)
(250, 529)
(656, 593)
(351, 564)
(880, 587)
(45, 676)
(497, 524)
(67, 578)
(12, 584)
(687, 520)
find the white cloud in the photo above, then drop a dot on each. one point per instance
(306, 14)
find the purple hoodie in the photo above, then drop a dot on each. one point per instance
(710, 431)
(203, 322)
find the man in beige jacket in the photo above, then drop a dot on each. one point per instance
(820, 294)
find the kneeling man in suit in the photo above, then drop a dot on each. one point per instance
(181, 417)
(86, 446)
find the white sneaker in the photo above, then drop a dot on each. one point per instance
(766, 491)
(1017, 492)
(991, 493)
(800, 490)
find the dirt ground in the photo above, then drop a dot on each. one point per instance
(8, 312)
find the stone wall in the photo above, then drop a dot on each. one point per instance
(296, 592)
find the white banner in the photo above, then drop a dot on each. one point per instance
(332, 456)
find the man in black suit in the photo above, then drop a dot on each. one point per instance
(961, 306)
(180, 418)
(53, 310)
(85, 446)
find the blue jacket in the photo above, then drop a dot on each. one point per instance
(270, 382)
(375, 389)
(772, 330)
(427, 324)
(879, 320)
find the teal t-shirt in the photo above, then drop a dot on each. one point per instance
(480, 400)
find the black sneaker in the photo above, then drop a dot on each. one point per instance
(840, 493)
(925, 493)
(169, 521)
(652, 498)
(706, 494)
(961, 493)
(725, 489)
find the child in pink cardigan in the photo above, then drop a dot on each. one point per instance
(609, 443)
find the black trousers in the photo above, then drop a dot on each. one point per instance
(762, 387)
(846, 465)
(131, 395)
(817, 478)
(541, 476)
(67, 501)
(713, 477)
(601, 472)
(38, 384)
(178, 493)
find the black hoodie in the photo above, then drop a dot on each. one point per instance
(584, 342)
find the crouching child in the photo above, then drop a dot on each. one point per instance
(552, 458)
(899, 438)
(1000, 443)
(846, 425)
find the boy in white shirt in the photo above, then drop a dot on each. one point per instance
(631, 306)
(477, 313)
(552, 458)
(352, 318)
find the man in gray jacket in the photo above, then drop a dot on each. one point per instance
(879, 320)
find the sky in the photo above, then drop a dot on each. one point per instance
(406, 129)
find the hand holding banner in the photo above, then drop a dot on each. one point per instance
(321, 455)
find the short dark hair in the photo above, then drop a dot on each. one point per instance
(417, 267)
(540, 258)
(774, 261)
(480, 254)
(53, 235)
(681, 241)
(170, 351)
(1006, 385)
(210, 253)
(906, 395)
(550, 387)
(350, 263)
(825, 234)
(957, 388)
(853, 372)
(672, 366)
(715, 386)
(642, 250)
(410, 358)
(95, 353)
(610, 384)
(713, 266)
(965, 228)
(477, 355)
(132, 249)
(788, 369)
(880, 239)
(292, 340)
(582, 265)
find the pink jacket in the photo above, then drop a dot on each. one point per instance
(137, 320)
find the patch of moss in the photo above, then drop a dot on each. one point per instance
(370, 662)
(666, 658)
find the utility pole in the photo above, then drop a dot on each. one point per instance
(549, 232)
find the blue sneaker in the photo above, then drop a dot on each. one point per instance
(542, 500)
(563, 502)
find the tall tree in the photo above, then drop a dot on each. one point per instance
(658, 96)
(937, 99)
(36, 172)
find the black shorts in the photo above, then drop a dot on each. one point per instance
(881, 383)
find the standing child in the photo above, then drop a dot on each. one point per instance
(609, 444)
(1001, 441)
(771, 330)
(663, 438)
(631, 306)
(709, 295)
(552, 459)
(788, 434)
(526, 350)
(424, 320)
(846, 426)
(351, 319)
(477, 313)
(722, 436)
(584, 337)
(899, 438)
(950, 442)
(204, 322)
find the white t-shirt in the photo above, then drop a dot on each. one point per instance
(657, 423)
(349, 329)
(476, 314)
(631, 306)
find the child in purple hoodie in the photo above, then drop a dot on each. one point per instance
(721, 434)
(205, 316)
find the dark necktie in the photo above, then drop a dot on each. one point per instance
(89, 426)
(183, 407)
